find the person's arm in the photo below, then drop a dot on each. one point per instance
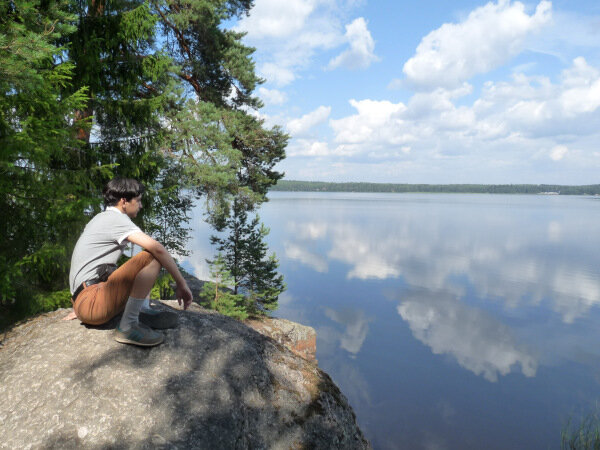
(182, 291)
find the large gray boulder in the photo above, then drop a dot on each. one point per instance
(213, 384)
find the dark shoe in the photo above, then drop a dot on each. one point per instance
(139, 334)
(158, 319)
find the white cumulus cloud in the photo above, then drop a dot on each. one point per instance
(272, 96)
(277, 74)
(582, 88)
(489, 36)
(558, 152)
(361, 54)
(502, 130)
(371, 123)
(288, 34)
(276, 19)
(308, 147)
(299, 127)
(536, 107)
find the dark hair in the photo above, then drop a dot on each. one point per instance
(119, 188)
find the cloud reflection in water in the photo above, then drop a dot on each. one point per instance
(508, 252)
(356, 327)
(475, 339)
(504, 266)
(306, 257)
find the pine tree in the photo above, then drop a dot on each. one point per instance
(227, 151)
(170, 86)
(262, 282)
(130, 87)
(233, 247)
(229, 154)
(217, 294)
(245, 255)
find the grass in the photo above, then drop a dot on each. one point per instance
(582, 436)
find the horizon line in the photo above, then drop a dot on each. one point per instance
(441, 184)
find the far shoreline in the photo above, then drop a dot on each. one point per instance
(363, 187)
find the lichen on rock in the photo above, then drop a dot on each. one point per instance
(214, 383)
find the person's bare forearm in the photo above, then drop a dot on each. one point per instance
(182, 291)
(167, 261)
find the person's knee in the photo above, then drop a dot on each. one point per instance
(148, 260)
(156, 266)
(152, 268)
(146, 256)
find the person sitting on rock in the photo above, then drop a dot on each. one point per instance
(100, 290)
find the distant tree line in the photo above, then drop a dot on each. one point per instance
(320, 186)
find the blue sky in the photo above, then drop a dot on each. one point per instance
(432, 91)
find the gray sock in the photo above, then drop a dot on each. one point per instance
(131, 313)
(146, 305)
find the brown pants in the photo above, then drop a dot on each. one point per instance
(99, 303)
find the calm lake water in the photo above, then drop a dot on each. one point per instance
(449, 321)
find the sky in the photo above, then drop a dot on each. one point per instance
(431, 91)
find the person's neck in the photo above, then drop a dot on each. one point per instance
(118, 208)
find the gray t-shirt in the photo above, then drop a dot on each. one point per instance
(102, 242)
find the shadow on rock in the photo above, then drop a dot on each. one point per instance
(214, 383)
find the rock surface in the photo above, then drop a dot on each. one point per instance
(300, 339)
(213, 384)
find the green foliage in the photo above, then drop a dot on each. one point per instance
(30, 31)
(582, 436)
(217, 294)
(245, 255)
(43, 189)
(53, 300)
(167, 207)
(38, 302)
(162, 289)
(209, 57)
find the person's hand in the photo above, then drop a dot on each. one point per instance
(70, 316)
(183, 295)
